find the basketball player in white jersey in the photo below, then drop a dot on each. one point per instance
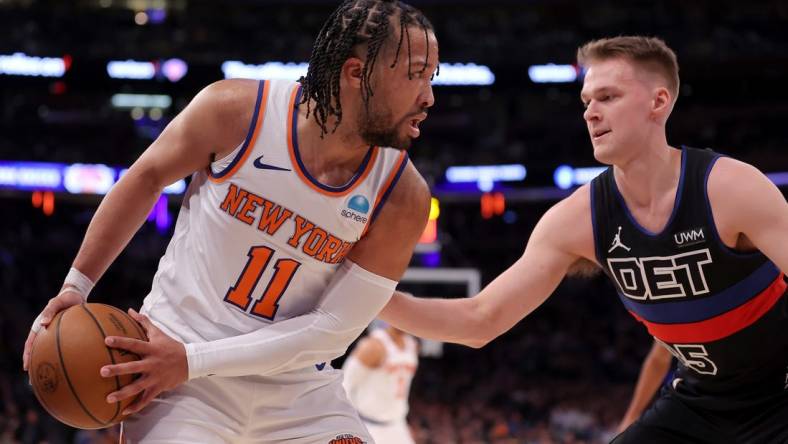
(378, 374)
(301, 215)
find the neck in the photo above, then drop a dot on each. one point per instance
(649, 172)
(336, 156)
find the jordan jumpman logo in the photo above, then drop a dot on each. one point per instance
(617, 242)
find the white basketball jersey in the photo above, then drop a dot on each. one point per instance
(384, 395)
(257, 238)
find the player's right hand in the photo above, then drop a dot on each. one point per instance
(66, 298)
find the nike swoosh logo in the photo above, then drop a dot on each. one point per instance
(265, 166)
(320, 366)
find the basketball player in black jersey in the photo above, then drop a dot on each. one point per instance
(694, 242)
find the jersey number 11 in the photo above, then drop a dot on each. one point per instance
(240, 294)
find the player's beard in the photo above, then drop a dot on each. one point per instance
(376, 128)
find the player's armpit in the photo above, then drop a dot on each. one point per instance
(745, 202)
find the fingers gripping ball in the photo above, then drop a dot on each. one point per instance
(66, 358)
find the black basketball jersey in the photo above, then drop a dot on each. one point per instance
(722, 313)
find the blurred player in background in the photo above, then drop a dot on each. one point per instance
(378, 374)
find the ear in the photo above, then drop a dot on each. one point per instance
(351, 73)
(662, 102)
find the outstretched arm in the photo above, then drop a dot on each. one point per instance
(562, 237)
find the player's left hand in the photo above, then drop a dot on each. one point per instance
(162, 365)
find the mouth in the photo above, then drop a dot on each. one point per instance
(598, 134)
(414, 125)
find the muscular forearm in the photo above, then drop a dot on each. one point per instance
(449, 320)
(119, 216)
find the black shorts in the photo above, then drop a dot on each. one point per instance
(671, 420)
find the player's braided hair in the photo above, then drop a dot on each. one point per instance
(353, 23)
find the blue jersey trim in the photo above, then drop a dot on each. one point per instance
(597, 251)
(386, 193)
(710, 217)
(248, 138)
(359, 172)
(676, 202)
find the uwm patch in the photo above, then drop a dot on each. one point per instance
(347, 439)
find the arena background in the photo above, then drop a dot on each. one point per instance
(565, 374)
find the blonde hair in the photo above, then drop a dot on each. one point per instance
(650, 53)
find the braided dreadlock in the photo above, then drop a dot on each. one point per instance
(353, 23)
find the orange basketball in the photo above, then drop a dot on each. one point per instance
(66, 358)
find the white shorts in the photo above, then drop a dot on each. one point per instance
(307, 406)
(396, 432)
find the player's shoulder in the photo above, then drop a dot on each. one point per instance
(409, 200)
(728, 171)
(567, 225)
(230, 96)
(220, 113)
(574, 208)
(735, 179)
(411, 189)
(740, 195)
(370, 351)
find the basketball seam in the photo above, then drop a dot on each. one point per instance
(68, 380)
(32, 373)
(111, 358)
(139, 329)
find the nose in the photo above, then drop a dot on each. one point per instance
(427, 98)
(591, 113)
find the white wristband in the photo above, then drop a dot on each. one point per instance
(37, 323)
(36, 327)
(78, 282)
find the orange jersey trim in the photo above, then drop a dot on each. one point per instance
(384, 192)
(251, 138)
